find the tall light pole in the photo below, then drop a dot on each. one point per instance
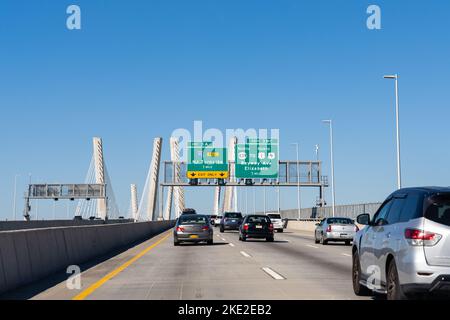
(397, 118)
(298, 179)
(333, 193)
(15, 197)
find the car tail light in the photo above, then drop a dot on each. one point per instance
(205, 228)
(271, 227)
(246, 227)
(180, 229)
(418, 237)
(329, 229)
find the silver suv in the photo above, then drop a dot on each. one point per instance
(405, 249)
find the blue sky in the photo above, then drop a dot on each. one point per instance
(140, 69)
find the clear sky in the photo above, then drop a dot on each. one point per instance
(140, 69)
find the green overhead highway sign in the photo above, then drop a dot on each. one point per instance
(257, 159)
(206, 161)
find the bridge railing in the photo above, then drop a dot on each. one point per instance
(317, 213)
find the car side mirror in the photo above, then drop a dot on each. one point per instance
(363, 219)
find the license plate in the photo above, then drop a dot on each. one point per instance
(259, 227)
(344, 235)
(194, 236)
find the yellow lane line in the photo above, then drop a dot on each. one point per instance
(86, 293)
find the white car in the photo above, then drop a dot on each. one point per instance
(277, 221)
(217, 221)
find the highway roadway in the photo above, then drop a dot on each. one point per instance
(292, 267)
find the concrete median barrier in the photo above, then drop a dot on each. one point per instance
(27, 256)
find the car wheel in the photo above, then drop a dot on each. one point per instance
(176, 243)
(244, 238)
(358, 288)
(348, 243)
(394, 289)
(316, 240)
(280, 230)
(210, 242)
(323, 241)
(270, 239)
(222, 230)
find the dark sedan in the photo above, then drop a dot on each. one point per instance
(257, 227)
(231, 221)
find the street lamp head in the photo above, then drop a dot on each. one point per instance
(391, 77)
(326, 121)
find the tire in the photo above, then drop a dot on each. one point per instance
(323, 241)
(210, 242)
(348, 243)
(358, 288)
(222, 230)
(244, 238)
(270, 239)
(316, 241)
(176, 243)
(394, 289)
(280, 230)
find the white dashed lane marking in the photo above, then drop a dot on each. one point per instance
(311, 246)
(273, 274)
(231, 245)
(245, 254)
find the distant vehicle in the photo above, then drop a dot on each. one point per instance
(213, 219)
(121, 218)
(217, 221)
(406, 244)
(231, 221)
(335, 229)
(257, 227)
(193, 228)
(277, 221)
(189, 211)
(77, 218)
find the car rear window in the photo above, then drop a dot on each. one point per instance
(193, 220)
(258, 220)
(233, 215)
(340, 221)
(437, 208)
(274, 216)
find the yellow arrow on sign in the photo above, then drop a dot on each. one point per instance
(207, 174)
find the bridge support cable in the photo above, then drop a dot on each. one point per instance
(149, 202)
(113, 211)
(168, 207)
(98, 174)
